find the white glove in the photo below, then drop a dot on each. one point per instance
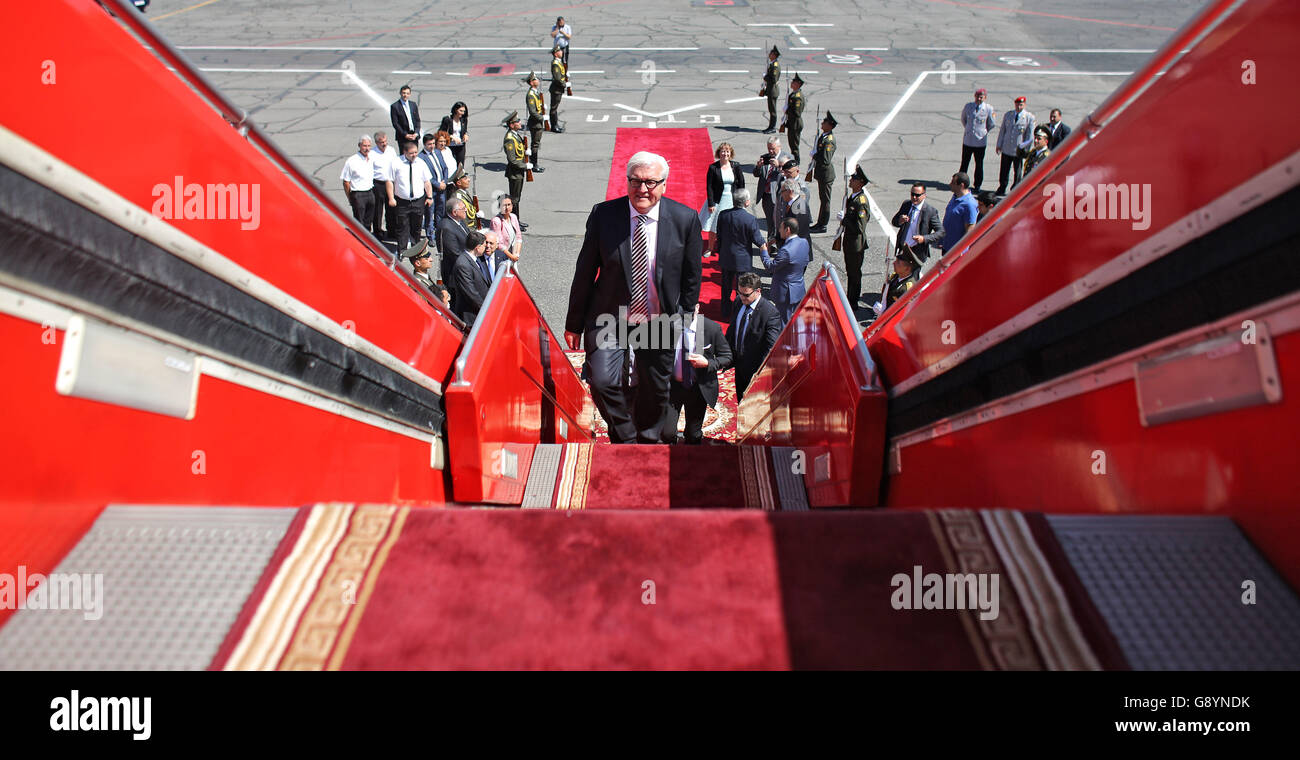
(839, 216)
(812, 153)
(877, 308)
(529, 166)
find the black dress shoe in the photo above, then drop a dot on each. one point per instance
(557, 129)
(538, 170)
(817, 228)
(769, 131)
(523, 227)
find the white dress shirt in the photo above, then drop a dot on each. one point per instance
(408, 178)
(359, 171)
(383, 162)
(651, 240)
(914, 219)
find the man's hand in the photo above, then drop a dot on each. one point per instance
(428, 201)
(442, 186)
(839, 216)
(905, 218)
(918, 238)
(997, 151)
(392, 202)
(574, 340)
(697, 361)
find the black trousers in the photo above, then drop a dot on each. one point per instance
(633, 415)
(743, 376)
(410, 217)
(792, 134)
(693, 400)
(516, 182)
(363, 206)
(382, 211)
(968, 152)
(855, 251)
(535, 130)
(556, 97)
(824, 189)
(458, 153)
(729, 291)
(1007, 163)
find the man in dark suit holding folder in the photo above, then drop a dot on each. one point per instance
(702, 352)
(638, 270)
(753, 332)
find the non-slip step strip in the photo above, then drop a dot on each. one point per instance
(540, 491)
(1170, 589)
(174, 579)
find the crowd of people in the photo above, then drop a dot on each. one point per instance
(421, 201)
(414, 192)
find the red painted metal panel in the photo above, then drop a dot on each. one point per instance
(510, 396)
(1239, 464)
(1018, 256)
(146, 127)
(814, 393)
(257, 449)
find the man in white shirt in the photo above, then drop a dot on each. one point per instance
(1014, 141)
(562, 33)
(385, 155)
(359, 182)
(410, 191)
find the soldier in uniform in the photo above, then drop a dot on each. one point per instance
(1040, 151)
(907, 272)
(794, 113)
(772, 87)
(516, 159)
(461, 180)
(536, 115)
(422, 264)
(824, 171)
(559, 80)
(853, 221)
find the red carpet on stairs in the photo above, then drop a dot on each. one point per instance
(380, 587)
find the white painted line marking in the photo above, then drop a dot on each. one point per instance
(367, 89)
(982, 72)
(369, 49)
(411, 72)
(279, 71)
(728, 71)
(745, 100)
(457, 74)
(884, 124)
(659, 115)
(579, 97)
(880, 218)
(1035, 50)
(802, 41)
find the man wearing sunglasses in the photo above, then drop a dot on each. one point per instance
(639, 265)
(918, 225)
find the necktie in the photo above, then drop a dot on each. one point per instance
(639, 309)
(741, 324)
(410, 181)
(483, 267)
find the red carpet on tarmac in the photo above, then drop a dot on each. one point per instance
(689, 153)
(381, 587)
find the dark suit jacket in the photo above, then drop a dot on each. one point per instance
(719, 355)
(469, 287)
(738, 239)
(715, 180)
(761, 332)
(787, 268)
(930, 226)
(398, 118)
(451, 243)
(1055, 139)
(445, 125)
(602, 277)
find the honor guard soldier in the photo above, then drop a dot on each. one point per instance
(772, 87)
(824, 170)
(853, 228)
(461, 180)
(421, 259)
(559, 81)
(517, 164)
(794, 113)
(1039, 153)
(536, 118)
(907, 272)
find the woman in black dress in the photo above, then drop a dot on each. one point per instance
(457, 125)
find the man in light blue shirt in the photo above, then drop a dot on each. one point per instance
(977, 119)
(961, 213)
(1014, 141)
(561, 33)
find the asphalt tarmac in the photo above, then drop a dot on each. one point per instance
(896, 73)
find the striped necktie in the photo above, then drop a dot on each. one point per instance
(638, 310)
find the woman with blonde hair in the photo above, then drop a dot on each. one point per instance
(724, 177)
